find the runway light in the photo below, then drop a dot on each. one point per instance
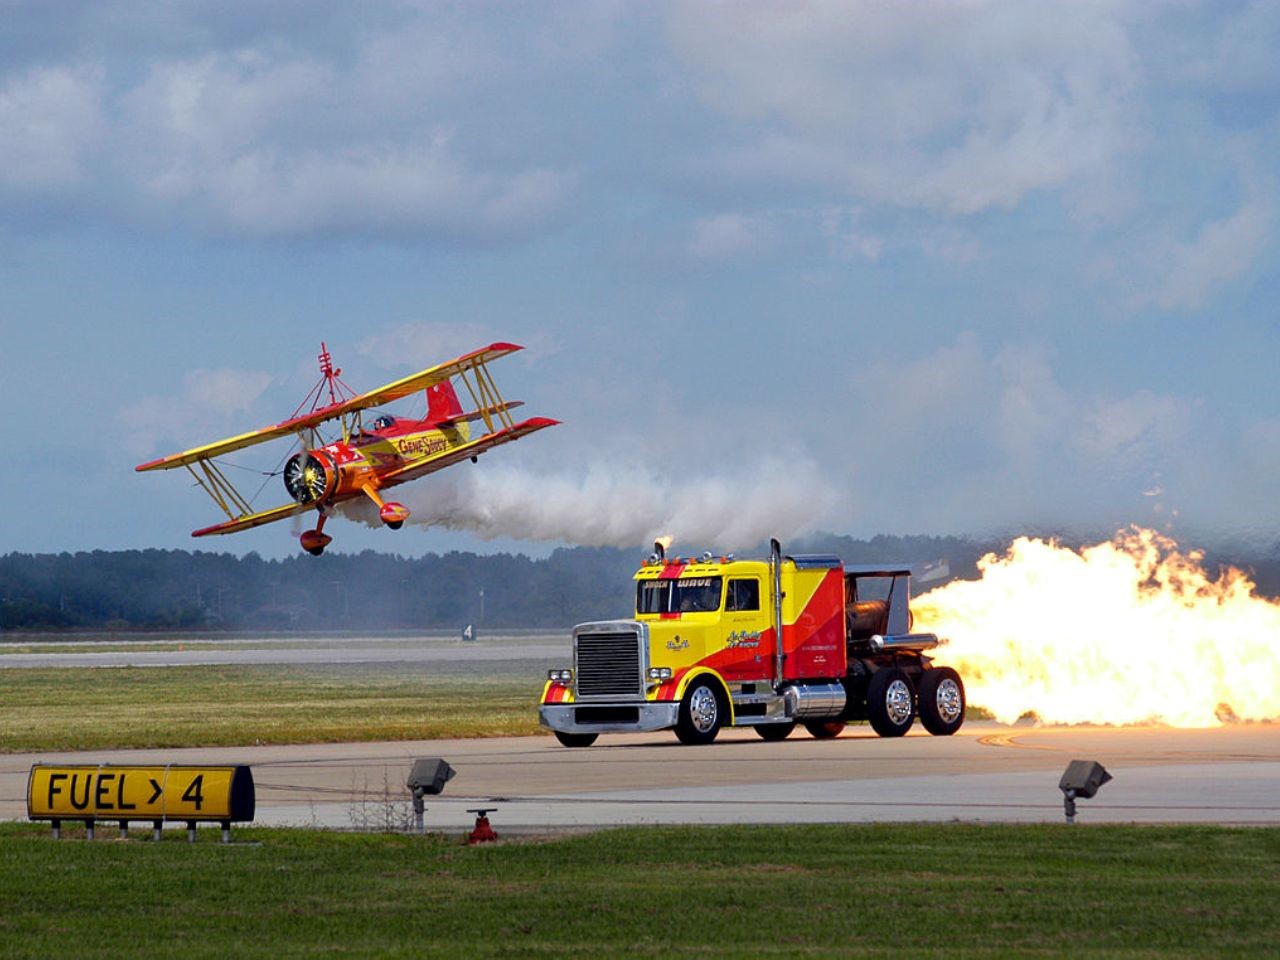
(428, 776)
(1081, 779)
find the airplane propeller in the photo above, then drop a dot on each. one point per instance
(305, 478)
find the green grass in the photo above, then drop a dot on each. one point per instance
(60, 709)
(882, 890)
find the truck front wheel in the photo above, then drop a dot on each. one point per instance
(890, 702)
(576, 739)
(701, 714)
(941, 701)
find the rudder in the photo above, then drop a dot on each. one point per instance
(442, 403)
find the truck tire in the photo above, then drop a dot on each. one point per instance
(701, 714)
(890, 702)
(576, 739)
(941, 699)
(774, 731)
(825, 729)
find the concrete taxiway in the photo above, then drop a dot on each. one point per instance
(986, 773)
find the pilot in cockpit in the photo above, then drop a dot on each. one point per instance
(384, 421)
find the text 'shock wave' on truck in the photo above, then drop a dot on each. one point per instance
(766, 644)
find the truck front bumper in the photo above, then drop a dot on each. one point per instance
(609, 717)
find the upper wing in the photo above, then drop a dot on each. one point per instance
(374, 398)
(476, 447)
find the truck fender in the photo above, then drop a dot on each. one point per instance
(697, 672)
(554, 692)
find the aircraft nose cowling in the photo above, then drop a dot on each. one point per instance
(394, 514)
(310, 476)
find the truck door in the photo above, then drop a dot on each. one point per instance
(746, 624)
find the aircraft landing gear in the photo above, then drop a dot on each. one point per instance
(314, 541)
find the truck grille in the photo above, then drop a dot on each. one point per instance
(608, 665)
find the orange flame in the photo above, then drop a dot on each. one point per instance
(1131, 631)
(666, 540)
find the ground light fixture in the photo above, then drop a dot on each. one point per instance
(428, 776)
(1081, 779)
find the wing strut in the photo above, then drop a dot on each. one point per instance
(219, 488)
(484, 394)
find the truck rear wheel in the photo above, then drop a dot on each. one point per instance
(576, 739)
(890, 702)
(824, 729)
(774, 731)
(701, 714)
(941, 701)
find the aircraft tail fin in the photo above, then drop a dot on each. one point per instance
(442, 403)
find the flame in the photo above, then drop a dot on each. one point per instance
(1130, 631)
(665, 541)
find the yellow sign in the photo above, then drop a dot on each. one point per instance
(109, 792)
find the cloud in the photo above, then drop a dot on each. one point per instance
(427, 342)
(956, 108)
(993, 439)
(211, 401)
(1183, 273)
(260, 139)
(50, 118)
(846, 239)
(728, 236)
(250, 142)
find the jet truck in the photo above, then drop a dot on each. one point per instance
(767, 644)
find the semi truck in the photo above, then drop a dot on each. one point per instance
(770, 644)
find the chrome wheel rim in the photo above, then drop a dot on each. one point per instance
(703, 709)
(949, 701)
(897, 702)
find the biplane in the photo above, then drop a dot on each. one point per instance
(358, 459)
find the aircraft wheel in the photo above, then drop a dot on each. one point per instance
(576, 739)
(825, 729)
(890, 702)
(701, 714)
(774, 731)
(941, 701)
(396, 524)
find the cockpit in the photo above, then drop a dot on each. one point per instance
(384, 422)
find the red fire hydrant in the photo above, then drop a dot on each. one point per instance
(483, 833)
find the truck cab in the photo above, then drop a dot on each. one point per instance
(791, 640)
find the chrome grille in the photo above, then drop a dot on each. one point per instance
(608, 665)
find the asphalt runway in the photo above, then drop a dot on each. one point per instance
(986, 773)
(283, 649)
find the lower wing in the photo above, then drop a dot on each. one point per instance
(255, 519)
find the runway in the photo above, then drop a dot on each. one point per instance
(986, 773)
(284, 649)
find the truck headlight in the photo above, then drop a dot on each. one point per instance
(659, 673)
(560, 676)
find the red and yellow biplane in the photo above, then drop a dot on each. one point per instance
(363, 460)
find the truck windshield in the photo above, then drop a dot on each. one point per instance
(689, 595)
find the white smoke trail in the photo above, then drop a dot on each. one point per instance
(618, 506)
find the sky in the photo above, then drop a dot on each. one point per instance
(970, 267)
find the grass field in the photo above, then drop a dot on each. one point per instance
(59, 709)
(887, 890)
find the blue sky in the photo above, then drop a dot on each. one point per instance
(953, 268)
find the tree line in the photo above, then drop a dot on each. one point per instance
(185, 590)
